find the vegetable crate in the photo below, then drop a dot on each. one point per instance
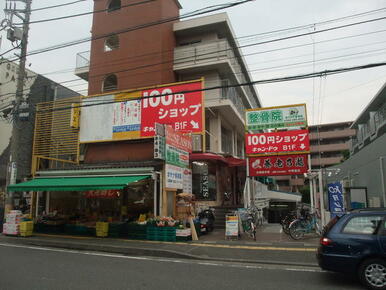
(102, 229)
(137, 232)
(167, 234)
(26, 228)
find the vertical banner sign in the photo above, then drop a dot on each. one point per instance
(276, 117)
(173, 105)
(178, 147)
(278, 165)
(187, 181)
(335, 198)
(276, 142)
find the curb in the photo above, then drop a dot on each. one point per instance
(138, 251)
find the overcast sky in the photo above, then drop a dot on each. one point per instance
(332, 99)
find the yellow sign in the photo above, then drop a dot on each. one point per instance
(75, 114)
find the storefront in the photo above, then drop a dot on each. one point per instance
(217, 180)
(75, 203)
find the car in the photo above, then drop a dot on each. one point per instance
(356, 243)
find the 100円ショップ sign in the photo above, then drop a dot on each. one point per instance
(132, 115)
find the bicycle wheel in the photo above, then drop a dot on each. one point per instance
(285, 227)
(296, 230)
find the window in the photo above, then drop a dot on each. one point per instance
(365, 225)
(114, 5)
(110, 83)
(112, 43)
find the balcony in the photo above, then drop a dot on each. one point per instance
(82, 65)
(329, 147)
(327, 161)
(332, 134)
(215, 55)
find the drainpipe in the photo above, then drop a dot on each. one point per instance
(382, 180)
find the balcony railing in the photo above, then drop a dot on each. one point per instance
(332, 134)
(368, 131)
(82, 60)
(211, 52)
(235, 97)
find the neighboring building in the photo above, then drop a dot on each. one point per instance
(364, 173)
(37, 89)
(328, 143)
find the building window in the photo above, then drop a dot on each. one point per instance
(204, 180)
(112, 43)
(114, 5)
(110, 83)
(226, 141)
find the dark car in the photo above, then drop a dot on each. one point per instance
(356, 244)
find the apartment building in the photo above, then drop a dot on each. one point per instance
(364, 174)
(329, 144)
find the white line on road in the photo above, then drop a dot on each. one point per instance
(166, 260)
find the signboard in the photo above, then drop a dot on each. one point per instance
(183, 111)
(276, 117)
(176, 156)
(275, 142)
(178, 139)
(133, 115)
(174, 176)
(278, 165)
(231, 225)
(127, 116)
(187, 181)
(335, 198)
(159, 147)
(101, 194)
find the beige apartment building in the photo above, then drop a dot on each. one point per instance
(329, 144)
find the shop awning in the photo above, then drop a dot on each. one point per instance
(76, 183)
(231, 161)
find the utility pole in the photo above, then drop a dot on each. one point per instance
(12, 35)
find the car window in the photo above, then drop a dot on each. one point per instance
(366, 225)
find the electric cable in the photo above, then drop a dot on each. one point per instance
(56, 6)
(264, 81)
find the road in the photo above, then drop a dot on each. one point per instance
(25, 267)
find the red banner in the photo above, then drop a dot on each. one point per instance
(102, 194)
(178, 139)
(183, 111)
(293, 164)
(287, 141)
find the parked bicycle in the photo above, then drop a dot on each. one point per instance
(304, 225)
(287, 220)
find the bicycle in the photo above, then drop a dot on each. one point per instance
(299, 227)
(250, 221)
(288, 219)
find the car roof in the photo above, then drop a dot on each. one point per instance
(375, 210)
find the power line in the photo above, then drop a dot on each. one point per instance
(245, 55)
(264, 42)
(270, 68)
(324, 73)
(86, 13)
(56, 6)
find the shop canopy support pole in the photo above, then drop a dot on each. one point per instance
(37, 204)
(48, 197)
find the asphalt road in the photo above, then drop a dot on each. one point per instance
(24, 267)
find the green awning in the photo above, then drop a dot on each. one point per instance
(76, 183)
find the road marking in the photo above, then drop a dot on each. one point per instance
(166, 260)
(254, 248)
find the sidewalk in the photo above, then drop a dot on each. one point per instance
(270, 248)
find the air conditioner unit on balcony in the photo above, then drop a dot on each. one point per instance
(197, 142)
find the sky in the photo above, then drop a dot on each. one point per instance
(329, 99)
